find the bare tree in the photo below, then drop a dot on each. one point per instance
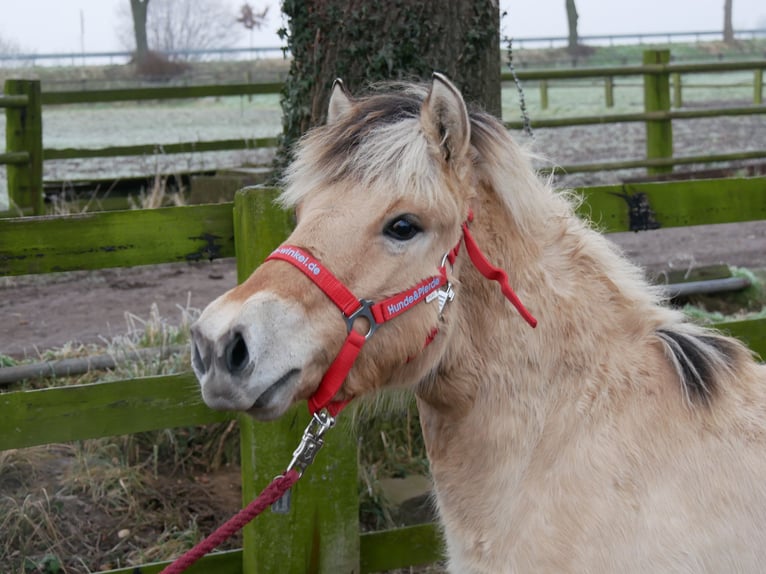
(8, 46)
(366, 42)
(138, 9)
(172, 25)
(572, 17)
(190, 25)
(728, 28)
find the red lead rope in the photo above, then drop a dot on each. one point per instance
(269, 496)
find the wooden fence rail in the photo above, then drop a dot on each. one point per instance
(25, 154)
(322, 533)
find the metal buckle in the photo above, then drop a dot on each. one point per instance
(365, 311)
(311, 441)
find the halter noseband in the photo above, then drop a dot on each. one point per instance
(352, 307)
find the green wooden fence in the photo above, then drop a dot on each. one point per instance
(321, 533)
(25, 154)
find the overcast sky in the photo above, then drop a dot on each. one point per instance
(45, 26)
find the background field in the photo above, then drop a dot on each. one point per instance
(102, 125)
(260, 116)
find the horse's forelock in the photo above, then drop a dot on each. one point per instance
(377, 145)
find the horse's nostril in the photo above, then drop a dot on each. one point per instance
(236, 354)
(197, 361)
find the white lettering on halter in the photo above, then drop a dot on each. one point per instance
(413, 297)
(301, 258)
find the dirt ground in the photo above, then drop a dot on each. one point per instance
(39, 313)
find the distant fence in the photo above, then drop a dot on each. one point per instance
(652, 37)
(24, 102)
(120, 57)
(322, 529)
(123, 57)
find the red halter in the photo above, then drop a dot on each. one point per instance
(353, 308)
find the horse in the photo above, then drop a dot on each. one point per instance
(613, 436)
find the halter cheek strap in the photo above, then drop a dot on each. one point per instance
(354, 308)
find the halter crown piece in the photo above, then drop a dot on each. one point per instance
(352, 307)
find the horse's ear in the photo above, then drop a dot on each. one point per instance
(445, 118)
(340, 101)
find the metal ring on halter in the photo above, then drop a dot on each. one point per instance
(445, 259)
(365, 311)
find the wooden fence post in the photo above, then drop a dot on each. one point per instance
(543, 94)
(609, 91)
(320, 533)
(659, 132)
(678, 100)
(24, 133)
(758, 86)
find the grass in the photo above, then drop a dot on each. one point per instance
(88, 505)
(750, 303)
(159, 194)
(121, 501)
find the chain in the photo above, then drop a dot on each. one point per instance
(522, 101)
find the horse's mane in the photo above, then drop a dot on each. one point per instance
(379, 146)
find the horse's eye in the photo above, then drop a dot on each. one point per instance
(402, 228)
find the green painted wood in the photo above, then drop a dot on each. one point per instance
(678, 203)
(640, 117)
(16, 157)
(321, 532)
(758, 87)
(677, 93)
(24, 133)
(659, 133)
(752, 332)
(115, 239)
(635, 163)
(228, 562)
(601, 71)
(15, 212)
(151, 149)
(29, 418)
(13, 101)
(401, 548)
(712, 113)
(162, 93)
(609, 91)
(543, 94)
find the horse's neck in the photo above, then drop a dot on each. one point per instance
(501, 385)
(485, 389)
